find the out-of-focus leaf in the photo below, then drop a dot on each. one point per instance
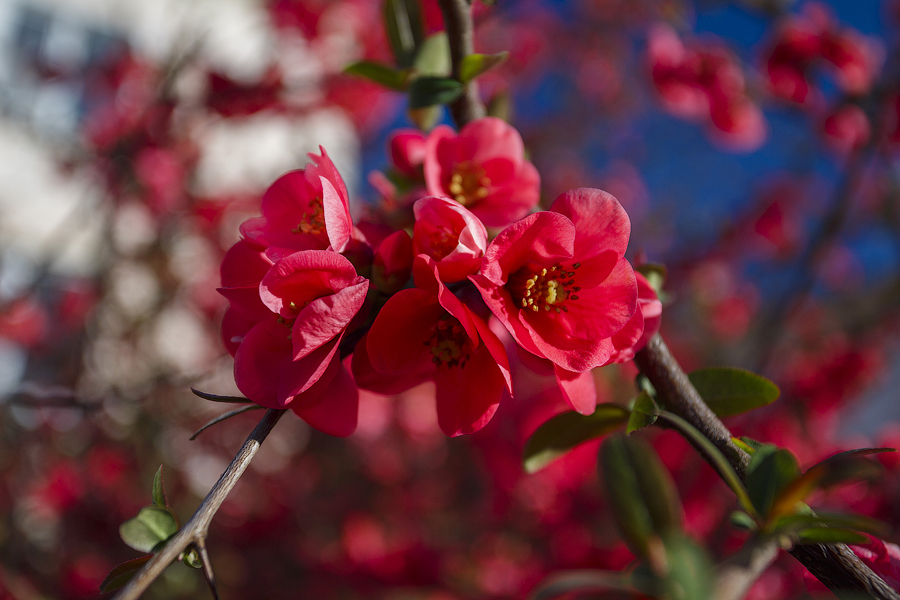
(429, 91)
(643, 414)
(793, 523)
(433, 58)
(837, 469)
(123, 573)
(742, 520)
(159, 493)
(830, 535)
(225, 417)
(715, 456)
(746, 444)
(730, 391)
(641, 493)
(565, 431)
(656, 274)
(379, 73)
(567, 582)
(147, 531)
(217, 398)
(770, 470)
(474, 65)
(425, 118)
(690, 574)
(405, 29)
(500, 106)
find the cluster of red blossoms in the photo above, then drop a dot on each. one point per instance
(431, 297)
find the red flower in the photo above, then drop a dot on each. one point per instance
(284, 331)
(423, 334)
(559, 281)
(449, 234)
(644, 323)
(484, 169)
(303, 210)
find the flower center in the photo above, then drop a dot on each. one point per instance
(449, 343)
(313, 220)
(546, 288)
(443, 242)
(468, 184)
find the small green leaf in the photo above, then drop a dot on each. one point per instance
(405, 29)
(714, 456)
(643, 414)
(746, 444)
(500, 106)
(730, 391)
(433, 58)
(150, 529)
(829, 535)
(426, 117)
(583, 581)
(770, 471)
(123, 573)
(565, 431)
(225, 417)
(216, 398)
(474, 65)
(742, 520)
(793, 523)
(690, 572)
(429, 91)
(389, 77)
(159, 493)
(641, 493)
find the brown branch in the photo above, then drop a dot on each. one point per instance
(736, 575)
(460, 33)
(195, 530)
(835, 565)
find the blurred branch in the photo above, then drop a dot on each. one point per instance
(195, 530)
(835, 565)
(460, 33)
(735, 576)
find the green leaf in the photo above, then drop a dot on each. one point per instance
(225, 417)
(742, 520)
(405, 29)
(714, 456)
(643, 414)
(794, 523)
(395, 79)
(690, 572)
(474, 65)
(159, 493)
(730, 391)
(770, 471)
(500, 106)
(746, 444)
(829, 535)
(837, 469)
(216, 398)
(565, 431)
(123, 573)
(567, 582)
(433, 58)
(641, 493)
(429, 91)
(150, 529)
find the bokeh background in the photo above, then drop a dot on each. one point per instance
(136, 136)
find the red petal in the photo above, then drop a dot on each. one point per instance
(398, 338)
(468, 397)
(326, 317)
(600, 221)
(336, 409)
(578, 389)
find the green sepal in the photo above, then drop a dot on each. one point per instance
(656, 275)
(217, 398)
(731, 391)
(567, 430)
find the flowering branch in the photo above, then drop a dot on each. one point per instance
(460, 33)
(835, 565)
(195, 530)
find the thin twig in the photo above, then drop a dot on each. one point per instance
(835, 565)
(195, 530)
(460, 33)
(736, 575)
